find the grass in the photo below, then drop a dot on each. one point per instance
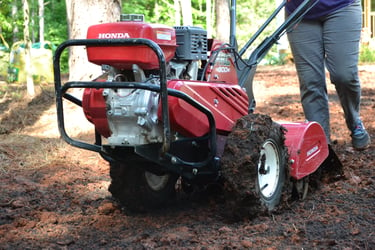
(13, 91)
(367, 54)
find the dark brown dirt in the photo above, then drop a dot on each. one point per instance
(54, 196)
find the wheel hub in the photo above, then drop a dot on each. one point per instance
(268, 169)
(156, 182)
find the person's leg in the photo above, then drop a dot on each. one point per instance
(341, 33)
(306, 43)
(342, 30)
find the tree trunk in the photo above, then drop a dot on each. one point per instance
(81, 15)
(15, 29)
(209, 18)
(177, 8)
(222, 20)
(41, 21)
(187, 16)
(26, 37)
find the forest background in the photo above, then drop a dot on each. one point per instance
(36, 21)
(53, 14)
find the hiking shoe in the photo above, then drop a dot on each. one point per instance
(360, 137)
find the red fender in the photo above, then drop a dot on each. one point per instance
(307, 147)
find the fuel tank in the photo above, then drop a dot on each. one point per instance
(123, 57)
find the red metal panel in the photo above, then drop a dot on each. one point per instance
(93, 105)
(307, 146)
(226, 102)
(222, 64)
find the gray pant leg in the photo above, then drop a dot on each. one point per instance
(333, 39)
(306, 42)
(342, 31)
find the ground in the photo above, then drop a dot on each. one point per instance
(54, 196)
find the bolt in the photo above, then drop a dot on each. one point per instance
(174, 160)
(141, 121)
(124, 110)
(216, 102)
(262, 188)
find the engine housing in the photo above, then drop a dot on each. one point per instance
(123, 57)
(132, 116)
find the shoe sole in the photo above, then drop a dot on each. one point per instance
(362, 142)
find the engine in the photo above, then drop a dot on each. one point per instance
(131, 115)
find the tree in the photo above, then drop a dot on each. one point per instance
(80, 15)
(209, 18)
(222, 20)
(187, 16)
(14, 13)
(26, 35)
(250, 15)
(41, 21)
(177, 15)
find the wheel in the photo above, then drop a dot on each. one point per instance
(271, 171)
(138, 189)
(254, 164)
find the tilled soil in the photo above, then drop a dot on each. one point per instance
(54, 196)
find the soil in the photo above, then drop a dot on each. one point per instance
(55, 196)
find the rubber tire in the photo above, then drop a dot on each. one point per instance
(240, 165)
(131, 187)
(275, 140)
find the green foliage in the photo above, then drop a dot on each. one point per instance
(250, 16)
(7, 24)
(145, 7)
(367, 54)
(199, 13)
(56, 28)
(11, 26)
(163, 11)
(274, 58)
